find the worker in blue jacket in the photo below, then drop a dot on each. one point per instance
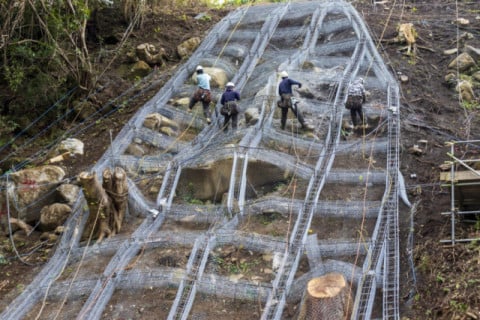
(229, 106)
(285, 103)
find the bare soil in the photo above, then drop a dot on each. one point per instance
(444, 281)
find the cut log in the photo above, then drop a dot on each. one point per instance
(116, 187)
(327, 298)
(59, 158)
(99, 205)
(107, 202)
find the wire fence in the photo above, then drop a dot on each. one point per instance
(261, 176)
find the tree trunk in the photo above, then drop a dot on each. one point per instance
(326, 298)
(107, 203)
(116, 188)
(99, 204)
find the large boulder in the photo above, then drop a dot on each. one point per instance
(68, 193)
(251, 116)
(155, 121)
(463, 62)
(219, 76)
(136, 150)
(473, 52)
(210, 182)
(140, 69)
(181, 102)
(187, 47)
(84, 109)
(476, 76)
(150, 54)
(465, 90)
(54, 215)
(65, 149)
(28, 191)
(71, 145)
(236, 51)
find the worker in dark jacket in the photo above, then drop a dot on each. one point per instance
(355, 101)
(229, 106)
(202, 93)
(285, 92)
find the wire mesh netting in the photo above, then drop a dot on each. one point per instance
(234, 224)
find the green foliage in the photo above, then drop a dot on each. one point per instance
(440, 278)
(189, 195)
(458, 306)
(7, 127)
(206, 17)
(279, 186)
(470, 105)
(45, 39)
(268, 218)
(14, 75)
(196, 201)
(425, 264)
(41, 57)
(477, 228)
(3, 261)
(235, 267)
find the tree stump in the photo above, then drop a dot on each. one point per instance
(107, 202)
(99, 205)
(326, 298)
(116, 187)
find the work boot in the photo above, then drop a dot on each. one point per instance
(307, 127)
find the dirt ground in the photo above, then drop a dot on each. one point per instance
(444, 281)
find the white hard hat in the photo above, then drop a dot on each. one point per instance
(230, 84)
(199, 68)
(283, 74)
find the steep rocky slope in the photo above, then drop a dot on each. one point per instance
(431, 112)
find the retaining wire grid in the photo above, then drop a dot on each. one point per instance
(276, 301)
(267, 55)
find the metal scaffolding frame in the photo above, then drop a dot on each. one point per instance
(459, 182)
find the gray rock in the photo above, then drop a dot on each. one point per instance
(463, 62)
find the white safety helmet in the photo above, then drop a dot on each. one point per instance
(230, 84)
(199, 68)
(360, 80)
(283, 74)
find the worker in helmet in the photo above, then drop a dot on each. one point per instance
(355, 101)
(285, 103)
(202, 93)
(229, 106)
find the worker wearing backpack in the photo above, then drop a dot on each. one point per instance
(229, 106)
(286, 96)
(202, 93)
